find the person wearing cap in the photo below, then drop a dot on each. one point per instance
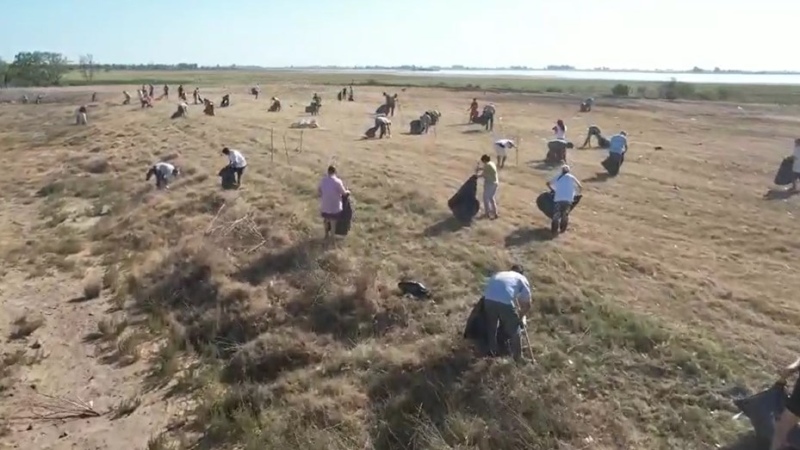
(236, 162)
(564, 186)
(507, 299)
(491, 181)
(617, 147)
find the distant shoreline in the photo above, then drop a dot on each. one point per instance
(404, 69)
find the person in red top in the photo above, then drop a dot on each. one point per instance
(473, 110)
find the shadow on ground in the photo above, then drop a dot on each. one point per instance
(599, 177)
(541, 165)
(523, 236)
(281, 262)
(748, 441)
(448, 225)
(780, 194)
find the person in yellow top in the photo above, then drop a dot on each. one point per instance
(490, 183)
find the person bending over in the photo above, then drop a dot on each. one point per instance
(501, 148)
(506, 299)
(237, 162)
(163, 172)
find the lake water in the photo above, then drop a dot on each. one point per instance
(713, 78)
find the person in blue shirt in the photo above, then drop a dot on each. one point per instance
(507, 298)
(618, 146)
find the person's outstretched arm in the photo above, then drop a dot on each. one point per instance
(523, 296)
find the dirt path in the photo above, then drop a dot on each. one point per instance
(61, 363)
(56, 352)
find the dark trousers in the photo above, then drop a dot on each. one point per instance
(490, 122)
(238, 171)
(505, 316)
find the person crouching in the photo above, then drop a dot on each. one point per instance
(236, 162)
(163, 172)
(331, 189)
(81, 117)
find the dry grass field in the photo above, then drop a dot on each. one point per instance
(202, 318)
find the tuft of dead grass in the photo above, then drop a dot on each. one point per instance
(25, 326)
(92, 285)
(285, 341)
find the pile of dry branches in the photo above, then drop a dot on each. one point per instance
(235, 231)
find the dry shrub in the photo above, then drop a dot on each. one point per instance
(457, 401)
(92, 284)
(96, 165)
(25, 326)
(193, 284)
(265, 358)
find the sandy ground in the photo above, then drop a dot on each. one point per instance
(689, 234)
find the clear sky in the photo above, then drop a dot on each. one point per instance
(645, 34)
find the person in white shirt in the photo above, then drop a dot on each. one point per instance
(506, 299)
(501, 147)
(236, 162)
(564, 186)
(560, 130)
(385, 125)
(163, 172)
(796, 164)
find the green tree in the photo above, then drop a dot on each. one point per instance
(87, 67)
(38, 68)
(3, 72)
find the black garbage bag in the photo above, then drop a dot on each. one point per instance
(370, 133)
(464, 204)
(345, 219)
(227, 177)
(602, 142)
(414, 289)
(763, 410)
(415, 127)
(476, 330)
(613, 164)
(483, 119)
(557, 151)
(785, 174)
(547, 206)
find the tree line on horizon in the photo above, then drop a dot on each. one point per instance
(42, 68)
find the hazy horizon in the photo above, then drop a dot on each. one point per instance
(619, 34)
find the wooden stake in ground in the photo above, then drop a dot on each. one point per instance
(285, 146)
(517, 141)
(272, 145)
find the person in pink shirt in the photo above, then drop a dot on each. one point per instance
(331, 189)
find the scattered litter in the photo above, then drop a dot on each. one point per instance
(305, 123)
(414, 289)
